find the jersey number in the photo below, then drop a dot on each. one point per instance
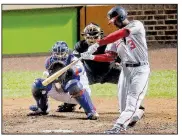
(131, 44)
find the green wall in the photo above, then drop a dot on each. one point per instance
(36, 31)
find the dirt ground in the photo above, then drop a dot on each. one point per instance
(160, 114)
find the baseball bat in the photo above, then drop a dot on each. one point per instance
(59, 73)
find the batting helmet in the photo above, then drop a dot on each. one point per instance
(117, 13)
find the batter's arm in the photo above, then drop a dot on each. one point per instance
(107, 57)
(121, 33)
(110, 54)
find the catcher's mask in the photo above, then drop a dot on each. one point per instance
(60, 50)
(92, 33)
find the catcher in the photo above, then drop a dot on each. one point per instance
(71, 87)
(97, 70)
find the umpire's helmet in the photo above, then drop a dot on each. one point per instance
(60, 49)
(117, 13)
(92, 32)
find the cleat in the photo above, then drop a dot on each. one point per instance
(114, 130)
(92, 116)
(66, 107)
(33, 108)
(36, 111)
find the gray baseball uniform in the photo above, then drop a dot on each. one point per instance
(133, 81)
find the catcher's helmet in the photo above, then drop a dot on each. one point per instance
(60, 49)
(117, 13)
(92, 32)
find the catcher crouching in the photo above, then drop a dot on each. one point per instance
(72, 87)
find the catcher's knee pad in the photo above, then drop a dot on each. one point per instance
(76, 89)
(39, 93)
(73, 87)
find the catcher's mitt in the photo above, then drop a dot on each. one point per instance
(56, 66)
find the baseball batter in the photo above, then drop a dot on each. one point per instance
(130, 44)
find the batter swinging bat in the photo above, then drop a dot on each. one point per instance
(59, 73)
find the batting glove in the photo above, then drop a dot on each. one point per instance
(87, 56)
(93, 48)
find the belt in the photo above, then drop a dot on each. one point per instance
(136, 64)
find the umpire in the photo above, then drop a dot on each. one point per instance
(97, 71)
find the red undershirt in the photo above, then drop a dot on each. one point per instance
(107, 57)
(110, 56)
(121, 33)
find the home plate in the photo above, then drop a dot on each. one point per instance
(58, 131)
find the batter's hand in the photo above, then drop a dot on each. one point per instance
(87, 56)
(93, 48)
